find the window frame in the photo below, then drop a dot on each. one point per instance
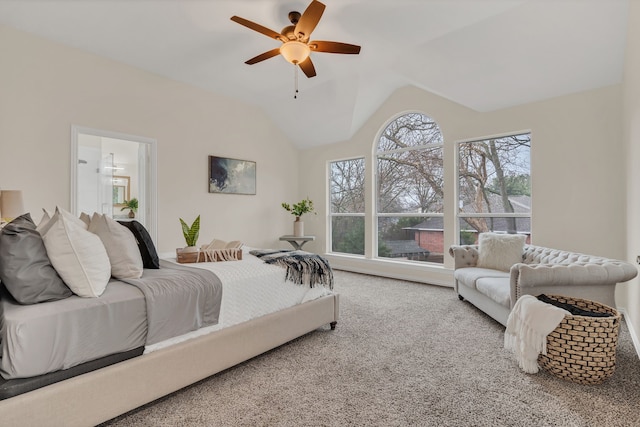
(461, 215)
(376, 214)
(331, 214)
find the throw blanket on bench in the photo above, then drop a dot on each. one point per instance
(302, 267)
(179, 299)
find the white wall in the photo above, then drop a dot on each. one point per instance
(46, 87)
(629, 294)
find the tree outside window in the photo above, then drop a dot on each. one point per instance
(346, 184)
(494, 186)
(409, 190)
(494, 191)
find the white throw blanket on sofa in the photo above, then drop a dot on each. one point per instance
(528, 325)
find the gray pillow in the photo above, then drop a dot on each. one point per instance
(25, 269)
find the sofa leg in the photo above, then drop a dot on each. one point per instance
(333, 325)
(460, 297)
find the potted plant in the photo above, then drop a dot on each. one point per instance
(132, 205)
(191, 234)
(298, 209)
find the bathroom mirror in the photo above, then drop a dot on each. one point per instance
(121, 190)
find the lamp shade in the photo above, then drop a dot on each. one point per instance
(295, 51)
(11, 205)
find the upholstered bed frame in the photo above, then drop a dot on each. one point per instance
(98, 396)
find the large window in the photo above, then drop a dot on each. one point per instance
(494, 186)
(409, 190)
(346, 184)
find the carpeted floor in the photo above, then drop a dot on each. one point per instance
(403, 354)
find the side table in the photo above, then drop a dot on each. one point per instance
(297, 242)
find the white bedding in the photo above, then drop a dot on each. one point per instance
(250, 289)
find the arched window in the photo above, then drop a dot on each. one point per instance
(409, 190)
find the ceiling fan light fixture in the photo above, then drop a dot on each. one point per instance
(296, 47)
(294, 51)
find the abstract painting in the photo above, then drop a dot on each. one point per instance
(231, 176)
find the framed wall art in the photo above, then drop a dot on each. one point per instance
(231, 176)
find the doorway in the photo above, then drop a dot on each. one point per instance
(110, 172)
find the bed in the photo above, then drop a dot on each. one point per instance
(258, 311)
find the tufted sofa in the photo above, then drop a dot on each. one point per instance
(542, 270)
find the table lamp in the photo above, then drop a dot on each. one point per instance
(11, 205)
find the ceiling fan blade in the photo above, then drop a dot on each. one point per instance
(269, 54)
(307, 67)
(257, 27)
(334, 47)
(309, 19)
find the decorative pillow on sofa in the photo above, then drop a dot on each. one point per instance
(500, 251)
(78, 256)
(25, 268)
(121, 246)
(147, 249)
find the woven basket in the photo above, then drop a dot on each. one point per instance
(583, 349)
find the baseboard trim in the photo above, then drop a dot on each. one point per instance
(632, 331)
(403, 270)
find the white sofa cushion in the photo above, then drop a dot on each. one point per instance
(500, 251)
(470, 275)
(496, 288)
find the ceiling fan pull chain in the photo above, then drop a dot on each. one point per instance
(295, 80)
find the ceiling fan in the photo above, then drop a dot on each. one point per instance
(296, 46)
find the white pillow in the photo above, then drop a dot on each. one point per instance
(78, 256)
(84, 217)
(500, 251)
(121, 246)
(46, 217)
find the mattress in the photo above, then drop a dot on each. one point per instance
(47, 337)
(17, 386)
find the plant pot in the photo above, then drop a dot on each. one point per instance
(188, 254)
(298, 227)
(132, 214)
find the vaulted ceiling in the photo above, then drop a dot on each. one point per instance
(484, 54)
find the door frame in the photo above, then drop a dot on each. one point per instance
(151, 173)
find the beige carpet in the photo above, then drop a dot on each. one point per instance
(403, 354)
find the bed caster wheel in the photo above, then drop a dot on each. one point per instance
(460, 297)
